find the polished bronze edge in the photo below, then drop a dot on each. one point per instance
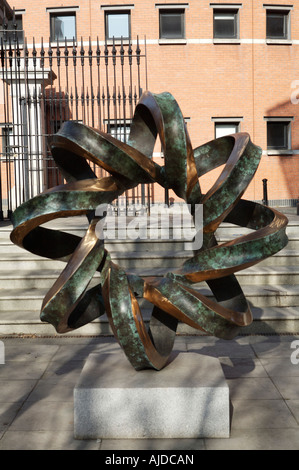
(157, 360)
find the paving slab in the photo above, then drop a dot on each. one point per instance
(79, 352)
(272, 349)
(220, 348)
(44, 440)
(15, 391)
(7, 414)
(288, 387)
(29, 352)
(268, 338)
(261, 439)
(262, 414)
(234, 367)
(253, 388)
(17, 370)
(294, 407)
(44, 415)
(280, 366)
(152, 444)
(63, 371)
(54, 392)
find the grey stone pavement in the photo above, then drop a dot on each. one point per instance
(39, 375)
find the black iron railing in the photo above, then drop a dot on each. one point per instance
(46, 84)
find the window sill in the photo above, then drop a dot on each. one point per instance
(285, 42)
(172, 41)
(61, 43)
(280, 152)
(13, 46)
(226, 41)
(117, 42)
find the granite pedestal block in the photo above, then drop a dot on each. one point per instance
(187, 399)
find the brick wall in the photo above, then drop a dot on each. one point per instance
(249, 80)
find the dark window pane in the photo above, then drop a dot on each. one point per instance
(277, 25)
(225, 24)
(277, 135)
(13, 33)
(63, 26)
(118, 25)
(7, 139)
(172, 24)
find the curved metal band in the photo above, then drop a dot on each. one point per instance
(71, 302)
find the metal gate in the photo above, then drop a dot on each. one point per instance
(43, 85)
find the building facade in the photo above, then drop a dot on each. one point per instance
(232, 67)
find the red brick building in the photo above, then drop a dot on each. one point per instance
(231, 67)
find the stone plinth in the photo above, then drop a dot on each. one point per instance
(187, 399)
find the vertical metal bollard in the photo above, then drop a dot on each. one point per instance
(265, 192)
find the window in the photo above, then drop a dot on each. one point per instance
(226, 128)
(226, 125)
(118, 24)
(7, 134)
(278, 134)
(119, 130)
(277, 24)
(172, 23)
(226, 23)
(13, 33)
(62, 26)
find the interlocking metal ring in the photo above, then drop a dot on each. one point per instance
(71, 303)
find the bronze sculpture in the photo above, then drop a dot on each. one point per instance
(70, 303)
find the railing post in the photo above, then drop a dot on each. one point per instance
(265, 192)
(25, 153)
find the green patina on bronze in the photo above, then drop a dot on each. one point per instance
(120, 313)
(74, 300)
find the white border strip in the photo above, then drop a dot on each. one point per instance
(130, 6)
(62, 9)
(226, 6)
(171, 6)
(278, 7)
(200, 41)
